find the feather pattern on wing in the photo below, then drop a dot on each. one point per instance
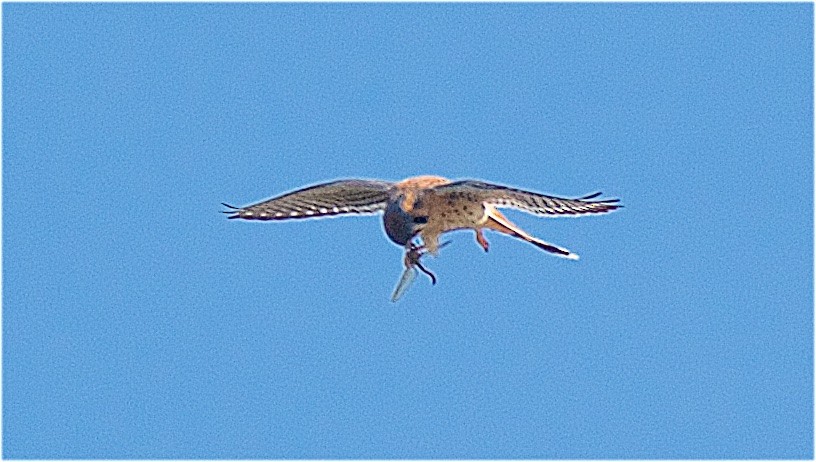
(531, 202)
(335, 198)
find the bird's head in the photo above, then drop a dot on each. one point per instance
(401, 226)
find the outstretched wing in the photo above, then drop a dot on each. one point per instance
(535, 203)
(337, 197)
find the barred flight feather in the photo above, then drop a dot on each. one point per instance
(335, 198)
(535, 203)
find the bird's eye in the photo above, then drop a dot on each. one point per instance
(421, 220)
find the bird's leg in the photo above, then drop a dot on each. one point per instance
(481, 240)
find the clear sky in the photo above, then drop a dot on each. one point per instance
(138, 322)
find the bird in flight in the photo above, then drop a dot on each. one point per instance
(418, 210)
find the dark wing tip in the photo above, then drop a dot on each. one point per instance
(232, 213)
(612, 203)
(590, 196)
(596, 194)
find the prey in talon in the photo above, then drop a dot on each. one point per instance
(411, 261)
(412, 256)
(425, 207)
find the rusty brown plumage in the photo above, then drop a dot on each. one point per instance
(426, 207)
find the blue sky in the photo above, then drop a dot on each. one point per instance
(138, 322)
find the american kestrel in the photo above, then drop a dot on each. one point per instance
(426, 206)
